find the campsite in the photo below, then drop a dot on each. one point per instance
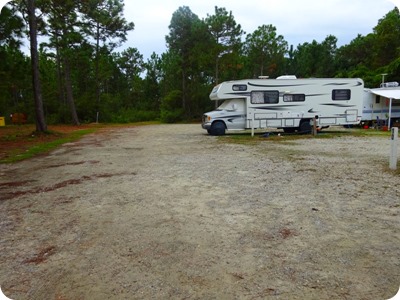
(120, 179)
(167, 211)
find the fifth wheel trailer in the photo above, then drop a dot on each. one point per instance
(286, 102)
(381, 106)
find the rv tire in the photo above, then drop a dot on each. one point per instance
(217, 128)
(305, 127)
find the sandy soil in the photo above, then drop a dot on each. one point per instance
(167, 211)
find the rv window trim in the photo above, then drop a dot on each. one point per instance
(275, 93)
(337, 94)
(295, 97)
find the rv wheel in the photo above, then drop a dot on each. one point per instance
(217, 128)
(305, 127)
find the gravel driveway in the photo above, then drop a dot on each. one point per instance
(168, 212)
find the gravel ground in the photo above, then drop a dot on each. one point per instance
(168, 212)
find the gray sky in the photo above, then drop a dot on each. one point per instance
(298, 21)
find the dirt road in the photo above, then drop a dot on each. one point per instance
(167, 212)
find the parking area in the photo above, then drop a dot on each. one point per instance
(166, 211)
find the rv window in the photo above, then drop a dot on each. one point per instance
(239, 87)
(377, 99)
(294, 97)
(341, 95)
(264, 97)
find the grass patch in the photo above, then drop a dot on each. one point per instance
(22, 142)
(36, 144)
(245, 138)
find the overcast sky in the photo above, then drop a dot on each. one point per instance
(298, 21)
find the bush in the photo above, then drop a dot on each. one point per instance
(171, 116)
(132, 115)
(170, 108)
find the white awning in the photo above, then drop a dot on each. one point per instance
(387, 93)
(392, 94)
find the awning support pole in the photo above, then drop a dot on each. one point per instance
(390, 113)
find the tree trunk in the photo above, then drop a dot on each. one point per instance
(68, 89)
(41, 125)
(183, 90)
(59, 72)
(97, 70)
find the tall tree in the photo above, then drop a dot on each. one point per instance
(11, 26)
(41, 125)
(15, 67)
(227, 35)
(107, 26)
(387, 32)
(152, 89)
(65, 35)
(170, 72)
(181, 40)
(266, 50)
(316, 59)
(359, 52)
(131, 64)
(328, 61)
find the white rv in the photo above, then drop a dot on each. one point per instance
(382, 105)
(286, 103)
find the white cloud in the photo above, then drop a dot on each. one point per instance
(2, 3)
(298, 21)
(396, 2)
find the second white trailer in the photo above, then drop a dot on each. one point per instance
(381, 106)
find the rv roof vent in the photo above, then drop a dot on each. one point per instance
(390, 84)
(263, 77)
(287, 77)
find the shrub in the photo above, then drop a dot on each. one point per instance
(170, 108)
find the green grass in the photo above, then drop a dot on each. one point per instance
(32, 143)
(46, 146)
(245, 138)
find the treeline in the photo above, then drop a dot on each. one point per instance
(84, 79)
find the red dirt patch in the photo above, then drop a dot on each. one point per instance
(15, 194)
(92, 162)
(42, 256)
(287, 232)
(15, 183)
